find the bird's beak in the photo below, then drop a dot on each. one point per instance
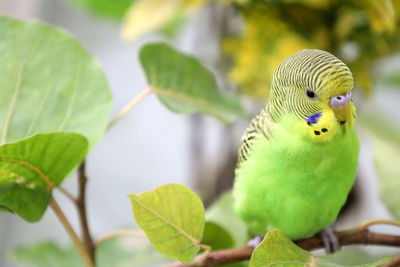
(340, 105)
(342, 113)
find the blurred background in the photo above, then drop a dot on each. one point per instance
(242, 42)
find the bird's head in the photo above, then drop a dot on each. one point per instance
(311, 82)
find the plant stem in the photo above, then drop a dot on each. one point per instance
(116, 233)
(81, 205)
(369, 223)
(81, 248)
(66, 193)
(129, 106)
(205, 247)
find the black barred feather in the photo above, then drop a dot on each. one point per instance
(308, 69)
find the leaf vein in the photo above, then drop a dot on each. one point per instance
(42, 176)
(191, 238)
(73, 98)
(12, 105)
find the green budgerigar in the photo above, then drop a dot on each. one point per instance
(298, 157)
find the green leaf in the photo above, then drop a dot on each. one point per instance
(217, 237)
(185, 86)
(49, 83)
(48, 254)
(114, 9)
(116, 252)
(30, 168)
(172, 28)
(350, 256)
(221, 212)
(172, 216)
(4, 209)
(128, 252)
(277, 249)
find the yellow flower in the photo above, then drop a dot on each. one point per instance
(380, 14)
(266, 41)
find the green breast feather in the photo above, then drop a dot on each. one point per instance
(293, 184)
(294, 173)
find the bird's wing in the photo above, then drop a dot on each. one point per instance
(259, 126)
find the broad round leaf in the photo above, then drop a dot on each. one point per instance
(357, 256)
(277, 249)
(48, 83)
(185, 86)
(172, 216)
(221, 212)
(217, 237)
(30, 168)
(114, 252)
(48, 254)
(111, 9)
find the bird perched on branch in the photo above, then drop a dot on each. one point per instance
(298, 157)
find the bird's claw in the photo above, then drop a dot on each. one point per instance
(330, 240)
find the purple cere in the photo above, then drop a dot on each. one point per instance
(313, 119)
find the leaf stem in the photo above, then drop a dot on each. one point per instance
(206, 248)
(78, 243)
(81, 205)
(129, 106)
(66, 193)
(116, 233)
(369, 223)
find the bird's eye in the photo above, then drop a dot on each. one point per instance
(310, 94)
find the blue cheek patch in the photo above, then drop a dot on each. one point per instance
(313, 119)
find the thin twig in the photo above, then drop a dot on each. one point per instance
(66, 193)
(354, 236)
(369, 223)
(78, 243)
(205, 247)
(116, 233)
(129, 106)
(81, 205)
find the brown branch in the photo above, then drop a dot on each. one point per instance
(81, 205)
(218, 258)
(354, 236)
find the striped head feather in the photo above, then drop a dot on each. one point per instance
(304, 83)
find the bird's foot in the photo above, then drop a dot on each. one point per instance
(330, 240)
(255, 241)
